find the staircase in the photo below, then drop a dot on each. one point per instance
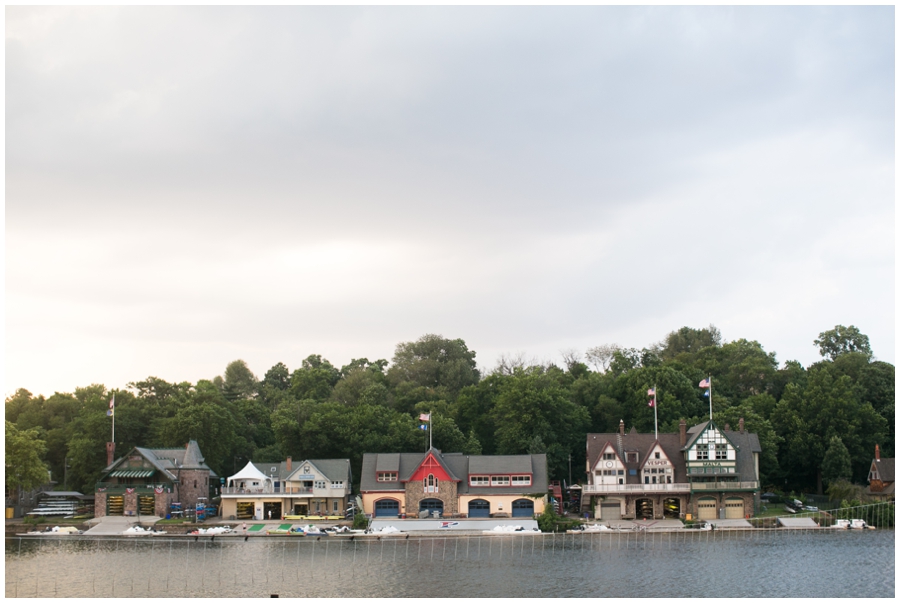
(556, 493)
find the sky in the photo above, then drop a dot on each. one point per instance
(187, 186)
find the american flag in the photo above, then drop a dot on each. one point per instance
(425, 417)
(704, 383)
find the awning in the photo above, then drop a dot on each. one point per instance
(133, 473)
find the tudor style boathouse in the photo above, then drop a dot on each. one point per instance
(703, 472)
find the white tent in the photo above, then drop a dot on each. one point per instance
(251, 479)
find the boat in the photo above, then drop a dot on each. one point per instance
(851, 524)
(139, 531)
(56, 531)
(590, 529)
(510, 530)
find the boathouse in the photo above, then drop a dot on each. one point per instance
(147, 481)
(310, 488)
(437, 484)
(703, 472)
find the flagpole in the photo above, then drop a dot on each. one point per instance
(709, 378)
(430, 414)
(655, 404)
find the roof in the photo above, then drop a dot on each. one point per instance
(458, 466)
(333, 469)
(167, 460)
(745, 444)
(885, 468)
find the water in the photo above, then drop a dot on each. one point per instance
(753, 563)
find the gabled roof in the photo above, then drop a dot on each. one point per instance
(167, 460)
(457, 465)
(696, 431)
(885, 469)
(437, 456)
(745, 444)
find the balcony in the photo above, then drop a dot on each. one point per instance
(705, 486)
(281, 491)
(634, 488)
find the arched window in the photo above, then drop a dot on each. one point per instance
(430, 483)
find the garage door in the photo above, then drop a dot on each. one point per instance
(706, 508)
(734, 508)
(610, 511)
(387, 508)
(523, 508)
(479, 508)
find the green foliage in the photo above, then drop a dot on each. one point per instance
(836, 463)
(24, 467)
(841, 340)
(445, 365)
(319, 411)
(360, 521)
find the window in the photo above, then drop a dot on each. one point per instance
(721, 452)
(609, 456)
(479, 480)
(621, 472)
(335, 508)
(319, 484)
(339, 484)
(656, 455)
(631, 457)
(702, 453)
(386, 476)
(499, 480)
(430, 483)
(521, 480)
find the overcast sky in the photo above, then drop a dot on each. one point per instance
(189, 186)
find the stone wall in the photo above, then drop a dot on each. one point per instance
(415, 493)
(193, 483)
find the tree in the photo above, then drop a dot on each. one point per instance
(836, 464)
(600, 356)
(315, 379)
(24, 467)
(841, 340)
(432, 361)
(686, 342)
(240, 382)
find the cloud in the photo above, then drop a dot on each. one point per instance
(191, 185)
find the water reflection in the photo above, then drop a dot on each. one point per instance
(757, 563)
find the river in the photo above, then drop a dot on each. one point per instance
(753, 563)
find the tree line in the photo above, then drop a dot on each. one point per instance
(816, 424)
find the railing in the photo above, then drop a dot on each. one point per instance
(724, 485)
(258, 490)
(138, 488)
(635, 488)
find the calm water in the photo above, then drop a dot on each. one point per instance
(758, 563)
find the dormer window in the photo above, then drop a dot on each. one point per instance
(631, 457)
(387, 476)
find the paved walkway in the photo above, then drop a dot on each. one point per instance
(114, 525)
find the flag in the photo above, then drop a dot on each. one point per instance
(425, 416)
(423, 427)
(706, 394)
(112, 406)
(704, 383)
(651, 392)
(651, 403)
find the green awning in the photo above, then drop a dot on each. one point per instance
(129, 473)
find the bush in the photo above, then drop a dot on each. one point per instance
(360, 521)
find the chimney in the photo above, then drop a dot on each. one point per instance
(727, 427)
(288, 464)
(682, 432)
(621, 427)
(741, 424)
(877, 453)
(111, 453)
